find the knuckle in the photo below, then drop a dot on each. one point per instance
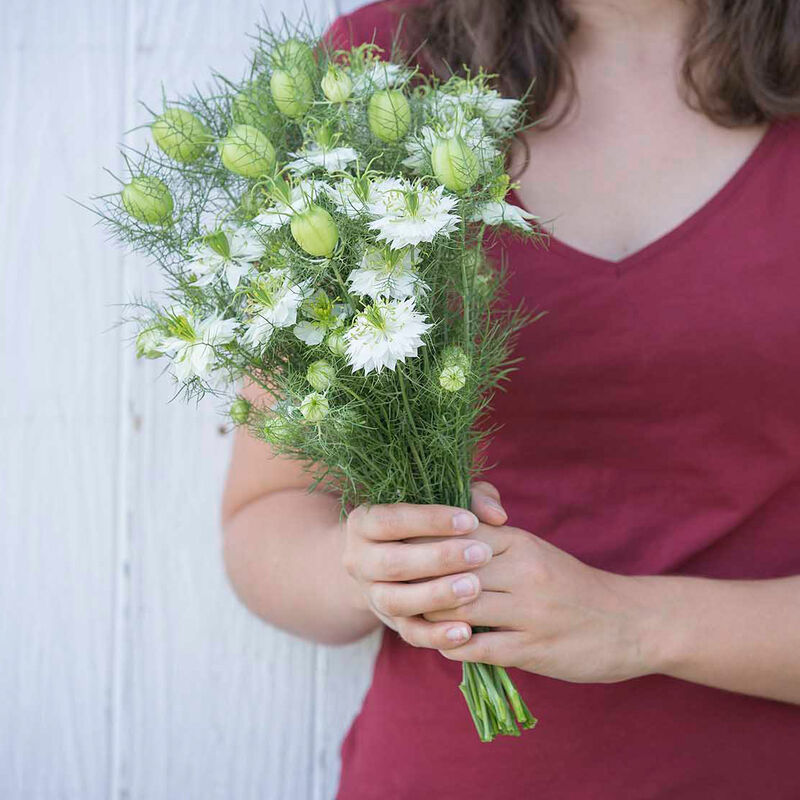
(391, 563)
(409, 633)
(384, 598)
(386, 522)
(450, 554)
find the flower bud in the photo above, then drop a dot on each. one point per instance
(320, 375)
(247, 151)
(292, 92)
(337, 344)
(240, 410)
(181, 135)
(147, 343)
(454, 164)
(148, 199)
(389, 115)
(315, 231)
(314, 407)
(455, 356)
(293, 55)
(452, 378)
(337, 85)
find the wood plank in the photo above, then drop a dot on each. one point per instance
(58, 413)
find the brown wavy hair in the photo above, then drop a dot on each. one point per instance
(741, 64)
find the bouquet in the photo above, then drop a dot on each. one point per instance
(321, 228)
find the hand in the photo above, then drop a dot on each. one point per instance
(553, 614)
(412, 559)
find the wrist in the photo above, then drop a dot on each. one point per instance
(664, 622)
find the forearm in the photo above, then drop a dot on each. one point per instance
(283, 557)
(743, 636)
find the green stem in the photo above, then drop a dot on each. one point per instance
(413, 440)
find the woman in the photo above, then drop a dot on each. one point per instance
(650, 455)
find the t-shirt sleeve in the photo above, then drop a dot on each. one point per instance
(377, 23)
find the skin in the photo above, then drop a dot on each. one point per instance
(610, 189)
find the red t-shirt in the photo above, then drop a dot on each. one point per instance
(654, 428)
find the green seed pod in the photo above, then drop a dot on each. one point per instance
(314, 407)
(454, 164)
(389, 115)
(247, 151)
(337, 85)
(320, 375)
(252, 107)
(315, 231)
(292, 55)
(148, 199)
(240, 411)
(276, 429)
(452, 378)
(181, 135)
(148, 343)
(292, 91)
(337, 344)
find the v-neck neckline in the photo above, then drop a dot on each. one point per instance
(681, 229)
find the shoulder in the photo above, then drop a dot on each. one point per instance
(381, 23)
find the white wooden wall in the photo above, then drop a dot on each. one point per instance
(127, 668)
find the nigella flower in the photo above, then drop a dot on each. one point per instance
(331, 159)
(383, 334)
(274, 301)
(387, 274)
(409, 213)
(498, 212)
(193, 342)
(378, 75)
(500, 113)
(322, 315)
(230, 252)
(290, 200)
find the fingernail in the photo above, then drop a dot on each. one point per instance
(465, 586)
(465, 521)
(477, 553)
(492, 503)
(457, 633)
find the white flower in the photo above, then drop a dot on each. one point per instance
(383, 274)
(192, 343)
(383, 334)
(301, 196)
(500, 113)
(275, 301)
(497, 212)
(351, 196)
(230, 252)
(420, 146)
(379, 75)
(332, 159)
(411, 213)
(323, 315)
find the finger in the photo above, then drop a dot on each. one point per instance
(397, 521)
(396, 561)
(410, 599)
(436, 635)
(488, 609)
(486, 504)
(490, 647)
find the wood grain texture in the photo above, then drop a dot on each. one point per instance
(128, 668)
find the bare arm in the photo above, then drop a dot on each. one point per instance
(283, 547)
